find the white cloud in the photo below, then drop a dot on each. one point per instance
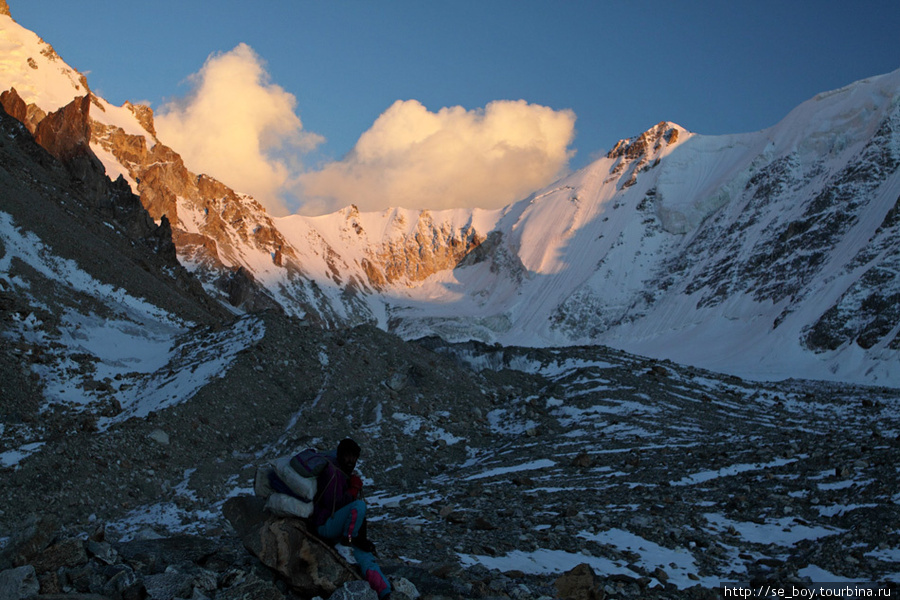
(238, 127)
(415, 158)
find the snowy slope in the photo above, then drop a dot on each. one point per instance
(385, 254)
(47, 81)
(782, 244)
(138, 357)
(100, 326)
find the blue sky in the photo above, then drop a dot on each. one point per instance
(620, 67)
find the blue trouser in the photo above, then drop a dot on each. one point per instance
(346, 522)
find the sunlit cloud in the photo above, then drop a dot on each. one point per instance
(239, 127)
(415, 158)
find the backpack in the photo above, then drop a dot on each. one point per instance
(311, 462)
(293, 489)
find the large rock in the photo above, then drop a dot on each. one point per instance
(18, 583)
(255, 589)
(581, 583)
(355, 590)
(168, 585)
(31, 538)
(245, 513)
(153, 556)
(66, 553)
(402, 587)
(311, 567)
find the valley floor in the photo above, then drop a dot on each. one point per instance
(492, 471)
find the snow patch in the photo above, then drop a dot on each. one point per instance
(12, 458)
(535, 465)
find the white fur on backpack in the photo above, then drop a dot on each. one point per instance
(282, 505)
(304, 487)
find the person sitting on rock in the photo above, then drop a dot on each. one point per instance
(339, 513)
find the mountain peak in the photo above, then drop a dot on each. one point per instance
(663, 133)
(33, 67)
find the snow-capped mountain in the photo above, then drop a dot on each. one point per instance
(224, 237)
(770, 254)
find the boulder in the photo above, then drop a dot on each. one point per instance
(256, 589)
(160, 437)
(32, 537)
(168, 585)
(581, 583)
(432, 579)
(66, 553)
(102, 551)
(123, 583)
(245, 513)
(310, 567)
(153, 556)
(355, 590)
(19, 583)
(405, 587)
(85, 578)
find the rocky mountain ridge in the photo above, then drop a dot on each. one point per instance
(224, 236)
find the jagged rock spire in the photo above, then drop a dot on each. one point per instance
(634, 147)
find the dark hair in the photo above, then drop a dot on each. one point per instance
(348, 446)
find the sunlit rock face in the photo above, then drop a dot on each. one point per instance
(15, 107)
(431, 247)
(66, 133)
(643, 151)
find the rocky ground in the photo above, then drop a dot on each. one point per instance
(672, 476)
(490, 472)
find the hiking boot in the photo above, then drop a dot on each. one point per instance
(346, 553)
